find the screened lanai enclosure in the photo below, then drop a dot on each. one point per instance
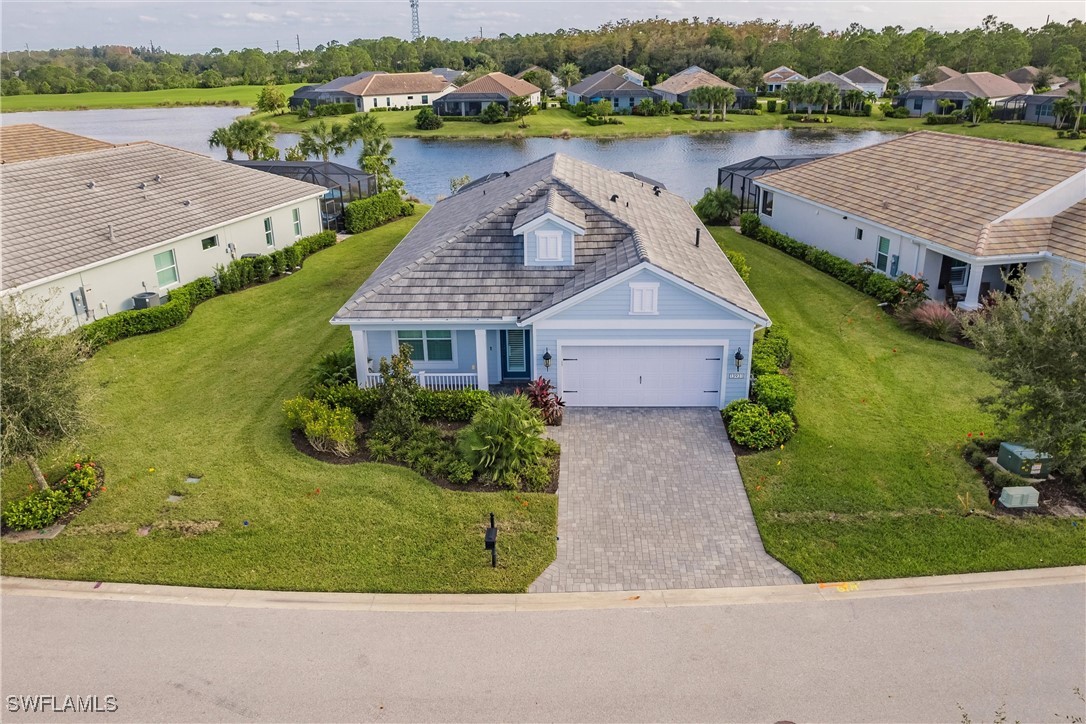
(344, 184)
(739, 177)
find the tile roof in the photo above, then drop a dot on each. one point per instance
(28, 141)
(1068, 237)
(843, 84)
(782, 74)
(1028, 73)
(499, 83)
(915, 184)
(55, 221)
(388, 84)
(860, 74)
(981, 84)
(462, 260)
(943, 72)
(689, 79)
(604, 80)
(343, 81)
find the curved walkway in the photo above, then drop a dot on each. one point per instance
(652, 499)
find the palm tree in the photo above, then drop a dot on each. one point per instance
(979, 108)
(569, 73)
(376, 158)
(790, 94)
(854, 99)
(697, 97)
(252, 137)
(944, 104)
(810, 96)
(323, 140)
(871, 97)
(1079, 99)
(224, 138)
(726, 96)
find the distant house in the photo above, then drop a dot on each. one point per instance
(376, 89)
(555, 90)
(623, 93)
(1033, 107)
(843, 85)
(941, 73)
(902, 206)
(778, 78)
(595, 280)
(868, 80)
(101, 229)
(344, 183)
(958, 90)
(739, 178)
(471, 98)
(631, 75)
(677, 88)
(450, 75)
(1027, 76)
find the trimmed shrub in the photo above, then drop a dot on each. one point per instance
(932, 319)
(333, 109)
(899, 112)
(503, 440)
(740, 263)
(451, 405)
(776, 392)
(493, 113)
(771, 105)
(328, 429)
(291, 258)
(749, 223)
(133, 322)
(536, 477)
(933, 120)
(776, 347)
(459, 472)
(365, 214)
(427, 120)
(755, 427)
(362, 401)
(551, 448)
(733, 407)
(763, 363)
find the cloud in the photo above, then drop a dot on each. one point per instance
(260, 17)
(147, 19)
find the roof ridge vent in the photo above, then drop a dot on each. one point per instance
(90, 184)
(143, 185)
(158, 178)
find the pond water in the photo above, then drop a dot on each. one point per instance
(686, 164)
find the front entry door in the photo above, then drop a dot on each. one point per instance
(516, 352)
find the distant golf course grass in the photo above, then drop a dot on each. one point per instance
(236, 95)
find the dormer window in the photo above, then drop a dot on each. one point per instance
(643, 296)
(548, 245)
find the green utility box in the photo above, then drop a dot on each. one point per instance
(1022, 461)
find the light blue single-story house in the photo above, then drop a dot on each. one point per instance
(602, 282)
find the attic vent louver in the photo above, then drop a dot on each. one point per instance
(507, 174)
(614, 197)
(656, 190)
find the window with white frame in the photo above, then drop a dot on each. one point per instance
(643, 297)
(882, 254)
(269, 233)
(548, 246)
(296, 214)
(166, 268)
(425, 100)
(428, 345)
(859, 234)
(767, 202)
(209, 242)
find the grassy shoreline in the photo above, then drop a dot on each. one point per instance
(236, 95)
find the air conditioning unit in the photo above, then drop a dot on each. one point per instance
(1020, 460)
(1021, 497)
(145, 300)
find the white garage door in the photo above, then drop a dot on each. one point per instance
(622, 376)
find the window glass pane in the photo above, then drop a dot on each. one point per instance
(409, 334)
(439, 334)
(165, 268)
(884, 245)
(163, 259)
(416, 349)
(209, 243)
(167, 277)
(439, 350)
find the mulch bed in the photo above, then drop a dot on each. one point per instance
(1055, 496)
(362, 455)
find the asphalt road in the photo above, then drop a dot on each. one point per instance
(897, 658)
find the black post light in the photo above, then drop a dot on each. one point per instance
(490, 542)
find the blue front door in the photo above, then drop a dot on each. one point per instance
(516, 354)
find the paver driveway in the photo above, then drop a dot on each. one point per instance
(652, 498)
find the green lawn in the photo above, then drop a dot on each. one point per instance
(868, 486)
(205, 398)
(237, 95)
(558, 123)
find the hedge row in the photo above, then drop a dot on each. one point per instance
(451, 405)
(366, 214)
(183, 300)
(863, 277)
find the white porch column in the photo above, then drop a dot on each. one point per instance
(482, 374)
(972, 289)
(361, 354)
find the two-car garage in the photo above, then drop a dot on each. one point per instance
(621, 375)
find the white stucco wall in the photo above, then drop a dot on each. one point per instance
(367, 103)
(109, 286)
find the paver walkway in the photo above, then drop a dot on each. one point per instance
(650, 499)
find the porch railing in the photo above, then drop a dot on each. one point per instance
(433, 380)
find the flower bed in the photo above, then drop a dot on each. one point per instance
(59, 504)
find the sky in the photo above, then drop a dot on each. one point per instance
(194, 26)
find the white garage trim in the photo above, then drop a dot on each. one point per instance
(656, 324)
(720, 344)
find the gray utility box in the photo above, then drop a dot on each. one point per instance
(1022, 461)
(1023, 497)
(144, 300)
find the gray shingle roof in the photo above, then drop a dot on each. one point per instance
(604, 80)
(54, 222)
(553, 203)
(461, 261)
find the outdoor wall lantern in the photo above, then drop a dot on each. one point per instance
(547, 358)
(738, 359)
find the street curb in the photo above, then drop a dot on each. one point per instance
(537, 602)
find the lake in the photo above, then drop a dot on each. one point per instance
(686, 164)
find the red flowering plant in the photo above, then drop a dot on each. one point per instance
(542, 397)
(81, 481)
(912, 290)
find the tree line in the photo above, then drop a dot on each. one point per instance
(656, 48)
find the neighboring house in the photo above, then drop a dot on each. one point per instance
(630, 75)
(676, 89)
(555, 90)
(868, 80)
(377, 89)
(623, 93)
(1027, 75)
(739, 178)
(1033, 107)
(344, 183)
(843, 85)
(778, 78)
(942, 73)
(906, 205)
(29, 141)
(449, 75)
(959, 90)
(89, 230)
(471, 98)
(608, 287)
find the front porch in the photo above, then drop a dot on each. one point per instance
(967, 285)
